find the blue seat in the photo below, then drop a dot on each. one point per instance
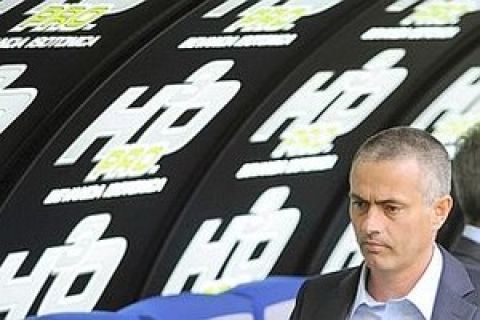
(272, 298)
(93, 315)
(269, 299)
(189, 306)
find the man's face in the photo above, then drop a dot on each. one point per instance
(394, 225)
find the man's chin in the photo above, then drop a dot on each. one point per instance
(376, 262)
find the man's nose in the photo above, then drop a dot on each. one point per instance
(374, 220)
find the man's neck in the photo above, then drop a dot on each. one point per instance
(385, 285)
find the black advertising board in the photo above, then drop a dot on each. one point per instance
(87, 219)
(270, 202)
(53, 53)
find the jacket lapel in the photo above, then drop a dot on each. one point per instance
(454, 293)
(344, 296)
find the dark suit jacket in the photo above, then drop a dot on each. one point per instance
(467, 251)
(330, 296)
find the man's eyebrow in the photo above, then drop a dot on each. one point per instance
(355, 196)
(390, 201)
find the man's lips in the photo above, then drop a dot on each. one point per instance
(374, 246)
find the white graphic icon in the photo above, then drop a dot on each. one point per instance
(320, 113)
(84, 253)
(268, 226)
(204, 94)
(454, 111)
(13, 101)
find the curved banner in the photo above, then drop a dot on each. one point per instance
(293, 155)
(137, 147)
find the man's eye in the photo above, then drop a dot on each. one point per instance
(392, 209)
(359, 204)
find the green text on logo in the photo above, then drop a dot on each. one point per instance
(63, 18)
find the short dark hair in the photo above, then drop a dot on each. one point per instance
(407, 142)
(466, 174)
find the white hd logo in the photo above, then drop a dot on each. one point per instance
(203, 92)
(6, 5)
(83, 253)
(341, 106)
(13, 101)
(345, 254)
(268, 226)
(454, 111)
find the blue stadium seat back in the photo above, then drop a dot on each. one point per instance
(188, 306)
(273, 298)
(93, 315)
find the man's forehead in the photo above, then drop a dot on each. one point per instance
(377, 199)
(393, 182)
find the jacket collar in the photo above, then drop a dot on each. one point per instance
(348, 290)
(455, 296)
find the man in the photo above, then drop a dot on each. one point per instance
(399, 198)
(466, 178)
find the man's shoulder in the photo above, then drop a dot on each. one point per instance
(333, 279)
(327, 295)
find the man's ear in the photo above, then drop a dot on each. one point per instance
(442, 207)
